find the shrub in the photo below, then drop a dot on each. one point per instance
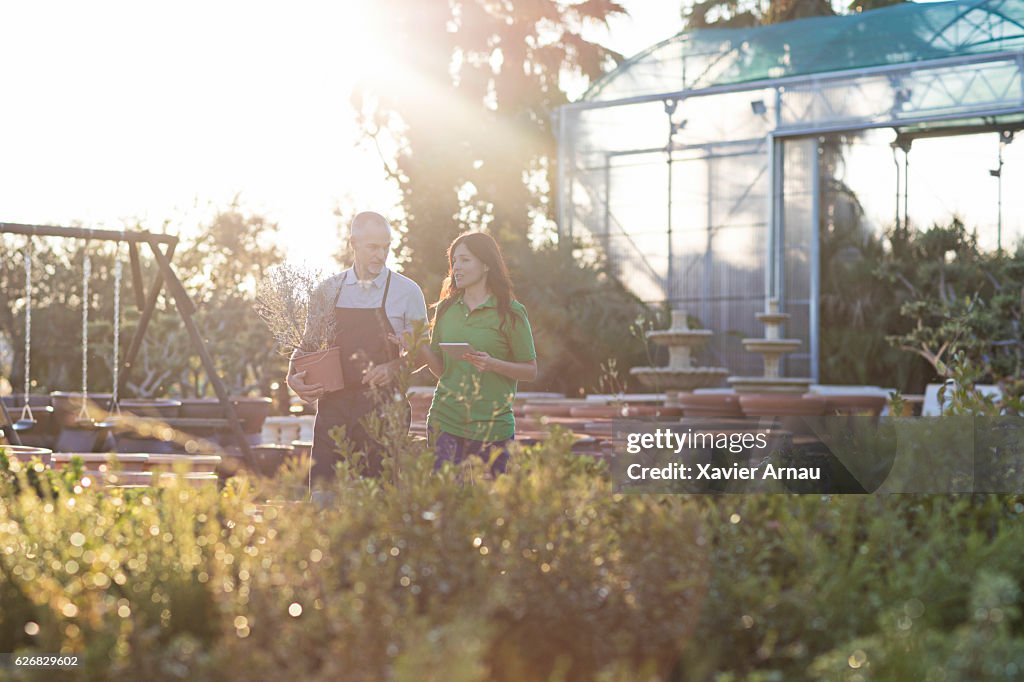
(542, 573)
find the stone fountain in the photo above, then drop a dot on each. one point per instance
(771, 348)
(680, 374)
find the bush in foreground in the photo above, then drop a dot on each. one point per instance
(542, 574)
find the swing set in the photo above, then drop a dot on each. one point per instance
(144, 302)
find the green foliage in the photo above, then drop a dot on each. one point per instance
(542, 573)
(906, 647)
(219, 266)
(581, 316)
(959, 299)
(746, 14)
(466, 103)
(796, 578)
(894, 312)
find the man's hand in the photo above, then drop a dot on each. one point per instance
(398, 341)
(381, 375)
(308, 392)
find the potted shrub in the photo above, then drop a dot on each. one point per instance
(300, 314)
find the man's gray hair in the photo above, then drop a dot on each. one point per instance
(366, 220)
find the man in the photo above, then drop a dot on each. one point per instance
(371, 302)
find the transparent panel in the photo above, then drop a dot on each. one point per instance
(900, 34)
(799, 226)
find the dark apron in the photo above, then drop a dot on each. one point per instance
(362, 337)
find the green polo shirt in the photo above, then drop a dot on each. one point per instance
(467, 402)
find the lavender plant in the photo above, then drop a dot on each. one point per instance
(297, 308)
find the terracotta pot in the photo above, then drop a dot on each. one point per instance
(252, 412)
(855, 404)
(528, 424)
(560, 408)
(195, 463)
(322, 367)
(710, 404)
(624, 411)
(155, 408)
(24, 453)
(654, 411)
(302, 448)
(782, 405)
(83, 439)
(196, 479)
(130, 443)
(604, 429)
(119, 479)
(267, 459)
(201, 408)
(92, 461)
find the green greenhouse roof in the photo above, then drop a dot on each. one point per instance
(899, 34)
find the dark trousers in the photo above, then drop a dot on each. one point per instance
(348, 409)
(455, 449)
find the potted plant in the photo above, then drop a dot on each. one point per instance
(300, 314)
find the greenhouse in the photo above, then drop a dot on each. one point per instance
(712, 167)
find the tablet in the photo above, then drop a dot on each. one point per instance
(456, 350)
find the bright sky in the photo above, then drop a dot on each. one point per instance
(116, 111)
(131, 110)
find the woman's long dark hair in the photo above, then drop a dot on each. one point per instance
(485, 249)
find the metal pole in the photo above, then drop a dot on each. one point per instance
(769, 261)
(668, 269)
(814, 312)
(896, 162)
(670, 108)
(780, 223)
(999, 203)
(906, 184)
(705, 311)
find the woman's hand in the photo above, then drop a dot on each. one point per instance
(481, 360)
(398, 341)
(520, 371)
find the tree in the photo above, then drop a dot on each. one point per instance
(468, 105)
(750, 13)
(737, 14)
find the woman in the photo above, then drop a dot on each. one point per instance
(471, 413)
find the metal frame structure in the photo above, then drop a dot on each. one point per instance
(979, 88)
(146, 303)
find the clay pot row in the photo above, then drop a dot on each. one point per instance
(252, 411)
(778, 405)
(134, 468)
(267, 458)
